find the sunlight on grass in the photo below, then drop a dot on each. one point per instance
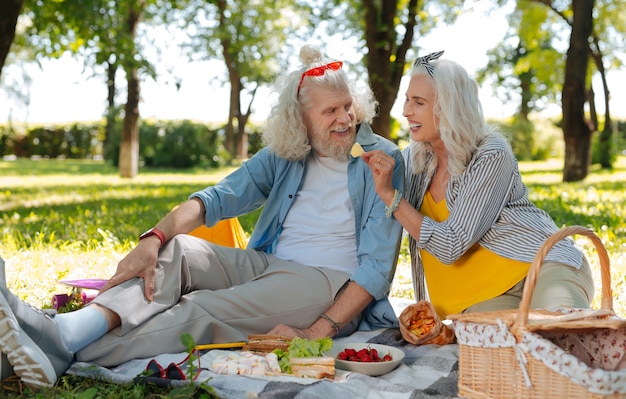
(33, 273)
(21, 173)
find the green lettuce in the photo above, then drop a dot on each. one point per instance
(302, 347)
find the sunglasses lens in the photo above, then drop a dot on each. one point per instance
(174, 372)
(319, 71)
(335, 65)
(155, 368)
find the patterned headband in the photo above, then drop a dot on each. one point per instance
(425, 61)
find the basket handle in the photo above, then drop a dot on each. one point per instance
(533, 272)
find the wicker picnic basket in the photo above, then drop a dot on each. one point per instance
(522, 353)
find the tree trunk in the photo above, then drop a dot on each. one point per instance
(385, 60)
(111, 111)
(605, 141)
(242, 137)
(129, 146)
(235, 83)
(8, 19)
(575, 129)
(525, 84)
(593, 112)
(233, 112)
(242, 140)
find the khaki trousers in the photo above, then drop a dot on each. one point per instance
(214, 293)
(558, 286)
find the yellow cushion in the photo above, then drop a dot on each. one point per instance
(227, 232)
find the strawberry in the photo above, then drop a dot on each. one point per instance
(362, 352)
(366, 358)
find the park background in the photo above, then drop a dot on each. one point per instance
(212, 63)
(80, 96)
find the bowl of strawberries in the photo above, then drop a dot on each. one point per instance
(366, 358)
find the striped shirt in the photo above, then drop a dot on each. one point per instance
(488, 204)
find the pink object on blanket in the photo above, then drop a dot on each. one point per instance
(87, 283)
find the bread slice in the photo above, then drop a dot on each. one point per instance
(265, 343)
(313, 367)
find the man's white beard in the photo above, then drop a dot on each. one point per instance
(337, 150)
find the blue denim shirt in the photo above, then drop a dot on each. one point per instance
(272, 182)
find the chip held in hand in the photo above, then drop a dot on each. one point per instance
(357, 150)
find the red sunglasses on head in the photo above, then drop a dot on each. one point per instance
(319, 71)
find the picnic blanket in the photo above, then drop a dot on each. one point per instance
(427, 371)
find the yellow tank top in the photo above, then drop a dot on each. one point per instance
(478, 275)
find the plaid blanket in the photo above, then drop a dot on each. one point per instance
(428, 371)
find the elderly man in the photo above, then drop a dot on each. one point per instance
(319, 262)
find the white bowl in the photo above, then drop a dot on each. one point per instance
(373, 368)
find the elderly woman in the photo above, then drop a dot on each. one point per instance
(473, 230)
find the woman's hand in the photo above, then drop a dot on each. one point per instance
(140, 262)
(382, 166)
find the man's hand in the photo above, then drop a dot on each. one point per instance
(293, 332)
(140, 262)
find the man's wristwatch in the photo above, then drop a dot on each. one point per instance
(154, 232)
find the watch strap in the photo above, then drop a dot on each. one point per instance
(154, 232)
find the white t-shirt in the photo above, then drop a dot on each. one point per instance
(319, 228)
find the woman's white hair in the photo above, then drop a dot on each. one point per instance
(461, 122)
(285, 133)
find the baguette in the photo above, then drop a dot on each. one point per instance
(313, 367)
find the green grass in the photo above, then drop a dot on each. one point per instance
(77, 218)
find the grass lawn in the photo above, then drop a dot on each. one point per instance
(69, 219)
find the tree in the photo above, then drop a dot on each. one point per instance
(525, 62)
(129, 144)
(544, 65)
(606, 47)
(386, 30)
(105, 34)
(251, 39)
(575, 128)
(8, 20)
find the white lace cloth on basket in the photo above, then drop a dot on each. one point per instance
(594, 379)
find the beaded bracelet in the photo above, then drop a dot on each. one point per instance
(331, 321)
(389, 210)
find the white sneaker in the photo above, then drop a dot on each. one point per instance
(29, 362)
